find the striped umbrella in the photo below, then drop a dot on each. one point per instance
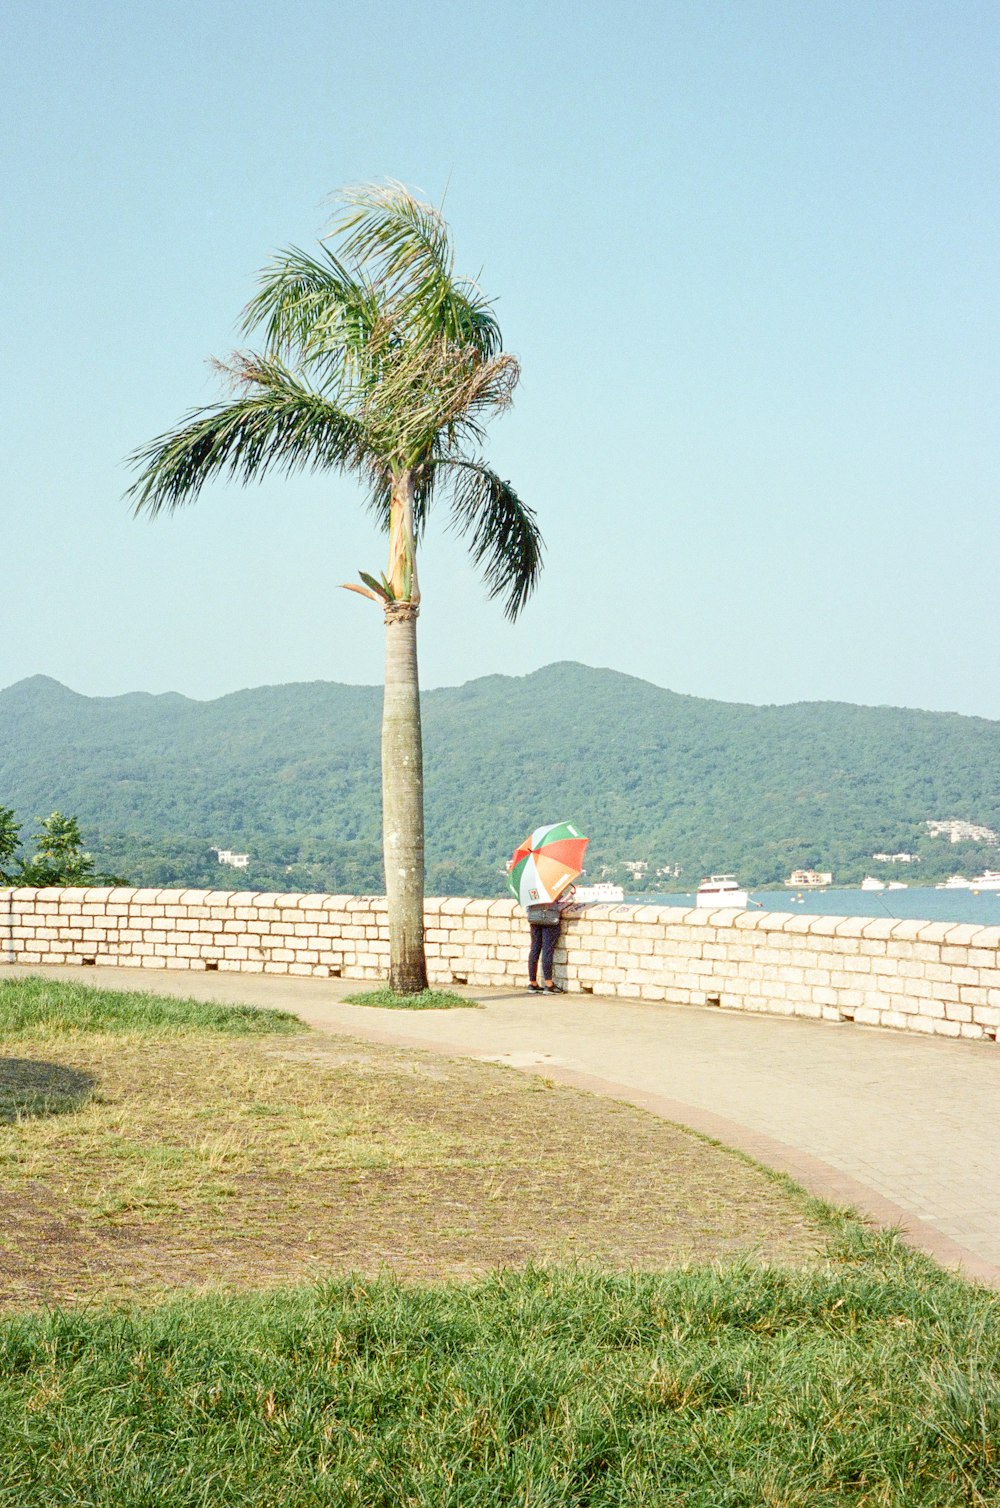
(546, 863)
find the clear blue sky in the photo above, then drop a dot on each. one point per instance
(746, 253)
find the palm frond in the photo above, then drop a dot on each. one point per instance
(290, 291)
(467, 318)
(402, 239)
(312, 308)
(363, 591)
(424, 477)
(436, 390)
(490, 386)
(404, 247)
(505, 539)
(380, 494)
(279, 425)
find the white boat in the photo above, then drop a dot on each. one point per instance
(897, 885)
(722, 890)
(603, 890)
(870, 883)
(956, 882)
(988, 880)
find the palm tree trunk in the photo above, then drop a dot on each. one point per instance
(403, 801)
(402, 754)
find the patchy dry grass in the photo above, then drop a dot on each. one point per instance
(198, 1159)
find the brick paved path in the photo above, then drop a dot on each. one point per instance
(903, 1128)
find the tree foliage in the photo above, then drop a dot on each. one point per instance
(376, 360)
(59, 857)
(290, 775)
(10, 834)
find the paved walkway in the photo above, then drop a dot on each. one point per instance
(903, 1128)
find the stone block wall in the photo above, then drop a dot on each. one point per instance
(935, 977)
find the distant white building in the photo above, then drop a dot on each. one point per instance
(896, 858)
(234, 860)
(963, 832)
(808, 879)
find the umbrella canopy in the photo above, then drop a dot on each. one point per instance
(547, 863)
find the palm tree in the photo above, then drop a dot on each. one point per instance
(377, 360)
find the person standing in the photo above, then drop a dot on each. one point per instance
(544, 920)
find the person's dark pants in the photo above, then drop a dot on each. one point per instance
(543, 945)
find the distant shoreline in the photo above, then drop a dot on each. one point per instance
(915, 903)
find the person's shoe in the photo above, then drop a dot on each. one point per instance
(553, 989)
(535, 989)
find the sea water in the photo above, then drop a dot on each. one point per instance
(918, 903)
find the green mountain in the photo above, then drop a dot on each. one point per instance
(290, 775)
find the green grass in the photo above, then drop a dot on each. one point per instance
(424, 1000)
(872, 1383)
(865, 1378)
(38, 1007)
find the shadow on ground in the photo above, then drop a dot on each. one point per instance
(30, 1088)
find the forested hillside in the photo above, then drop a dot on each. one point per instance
(290, 775)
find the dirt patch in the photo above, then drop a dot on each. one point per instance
(225, 1162)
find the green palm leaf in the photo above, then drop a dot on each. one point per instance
(405, 245)
(505, 540)
(313, 308)
(280, 425)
